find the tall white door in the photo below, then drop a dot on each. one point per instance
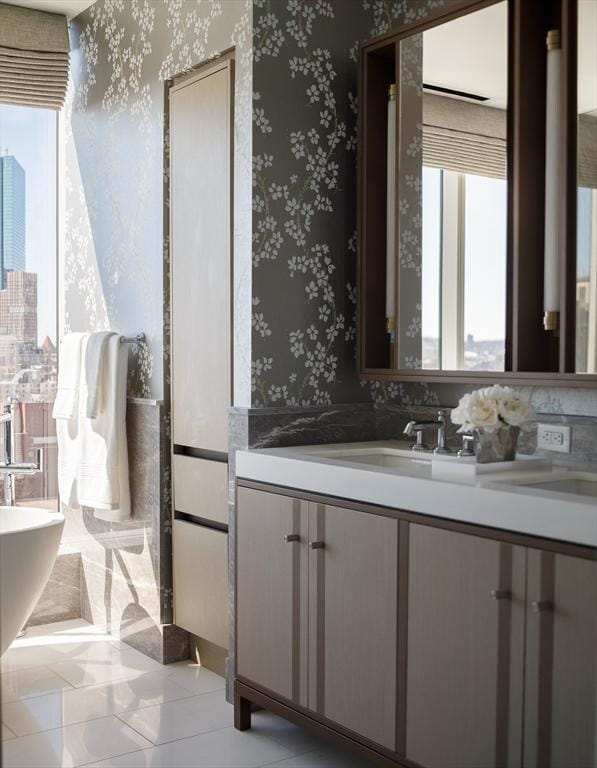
(200, 224)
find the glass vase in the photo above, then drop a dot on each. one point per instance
(496, 445)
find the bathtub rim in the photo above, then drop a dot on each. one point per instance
(50, 518)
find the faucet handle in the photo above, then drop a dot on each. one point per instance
(467, 449)
(419, 446)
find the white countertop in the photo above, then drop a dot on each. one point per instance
(485, 500)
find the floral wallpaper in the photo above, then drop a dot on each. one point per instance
(116, 238)
(115, 265)
(410, 203)
(304, 198)
(304, 208)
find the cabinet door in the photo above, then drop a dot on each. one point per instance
(561, 663)
(271, 593)
(200, 573)
(200, 200)
(353, 620)
(465, 650)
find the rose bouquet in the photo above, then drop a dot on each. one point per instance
(494, 415)
(491, 408)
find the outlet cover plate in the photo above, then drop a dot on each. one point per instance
(553, 437)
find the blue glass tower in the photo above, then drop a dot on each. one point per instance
(12, 217)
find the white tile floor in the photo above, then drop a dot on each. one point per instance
(73, 695)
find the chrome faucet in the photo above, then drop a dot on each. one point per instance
(418, 428)
(8, 467)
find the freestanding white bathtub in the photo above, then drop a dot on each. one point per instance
(29, 540)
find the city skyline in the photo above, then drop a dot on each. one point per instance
(12, 217)
(29, 135)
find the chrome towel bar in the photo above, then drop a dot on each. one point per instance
(139, 338)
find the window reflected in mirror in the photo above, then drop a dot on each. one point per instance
(451, 212)
(586, 233)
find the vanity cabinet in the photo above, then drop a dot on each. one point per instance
(415, 641)
(466, 603)
(560, 715)
(271, 593)
(353, 582)
(317, 609)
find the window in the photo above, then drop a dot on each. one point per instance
(464, 271)
(28, 312)
(586, 281)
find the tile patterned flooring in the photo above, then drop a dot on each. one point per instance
(72, 695)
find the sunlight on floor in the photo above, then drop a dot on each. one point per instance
(73, 695)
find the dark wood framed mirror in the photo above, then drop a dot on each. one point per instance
(453, 169)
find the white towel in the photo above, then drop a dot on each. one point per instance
(67, 428)
(66, 403)
(92, 373)
(103, 472)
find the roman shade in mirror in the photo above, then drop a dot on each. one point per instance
(34, 63)
(587, 151)
(464, 137)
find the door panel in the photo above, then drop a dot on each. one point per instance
(465, 648)
(200, 190)
(272, 593)
(200, 565)
(353, 620)
(201, 487)
(561, 664)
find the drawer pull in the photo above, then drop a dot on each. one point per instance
(291, 537)
(500, 594)
(539, 606)
(317, 545)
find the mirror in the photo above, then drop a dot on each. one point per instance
(586, 230)
(450, 223)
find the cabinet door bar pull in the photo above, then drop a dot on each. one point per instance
(500, 594)
(539, 606)
(291, 537)
(317, 545)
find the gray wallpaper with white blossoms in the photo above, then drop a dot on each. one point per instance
(116, 239)
(115, 264)
(304, 198)
(304, 208)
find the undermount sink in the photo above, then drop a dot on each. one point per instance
(575, 483)
(377, 457)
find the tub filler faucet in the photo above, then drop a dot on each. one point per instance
(9, 468)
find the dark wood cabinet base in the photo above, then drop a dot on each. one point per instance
(245, 695)
(242, 712)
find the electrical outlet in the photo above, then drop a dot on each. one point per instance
(553, 437)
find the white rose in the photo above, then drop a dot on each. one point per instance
(476, 410)
(498, 393)
(459, 414)
(516, 410)
(482, 410)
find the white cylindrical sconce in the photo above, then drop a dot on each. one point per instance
(553, 182)
(391, 216)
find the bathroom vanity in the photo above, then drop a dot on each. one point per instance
(417, 620)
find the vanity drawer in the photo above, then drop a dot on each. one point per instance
(201, 488)
(200, 567)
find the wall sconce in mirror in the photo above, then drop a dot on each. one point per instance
(391, 217)
(553, 182)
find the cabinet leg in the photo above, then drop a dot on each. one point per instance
(242, 713)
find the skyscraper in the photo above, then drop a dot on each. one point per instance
(12, 217)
